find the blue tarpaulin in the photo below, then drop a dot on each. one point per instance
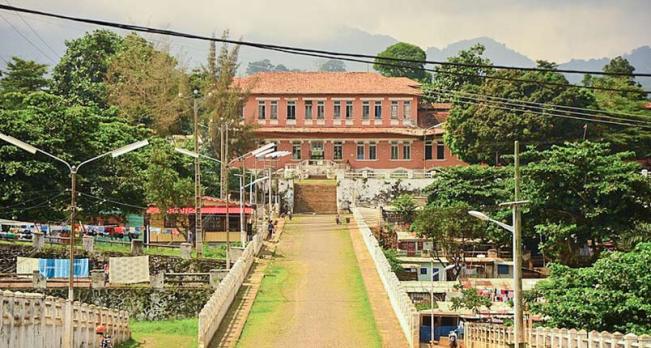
(59, 268)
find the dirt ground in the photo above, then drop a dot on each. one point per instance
(313, 294)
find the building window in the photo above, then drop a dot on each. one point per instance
(394, 110)
(291, 110)
(338, 151)
(503, 269)
(394, 151)
(337, 109)
(366, 110)
(261, 110)
(308, 109)
(423, 270)
(378, 110)
(296, 151)
(213, 223)
(320, 110)
(440, 150)
(274, 110)
(360, 151)
(372, 151)
(406, 109)
(406, 151)
(428, 150)
(349, 110)
(435, 274)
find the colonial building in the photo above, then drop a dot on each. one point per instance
(353, 119)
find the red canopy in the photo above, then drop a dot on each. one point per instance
(204, 210)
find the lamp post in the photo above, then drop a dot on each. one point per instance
(516, 230)
(68, 336)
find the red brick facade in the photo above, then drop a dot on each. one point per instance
(362, 119)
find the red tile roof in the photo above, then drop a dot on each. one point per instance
(341, 83)
(419, 132)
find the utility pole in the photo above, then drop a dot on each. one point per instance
(225, 191)
(198, 223)
(68, 324)
(517, 253)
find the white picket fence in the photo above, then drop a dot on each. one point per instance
(478, 335)
(215, 309)
(402, 305)
(35, 321)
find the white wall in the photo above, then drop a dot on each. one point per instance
(374, 191)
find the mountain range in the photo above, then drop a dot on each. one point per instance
(358, 41)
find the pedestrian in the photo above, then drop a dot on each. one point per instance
(452, 338)
(290, 216)
(106, 274)
(270, 228)
(338, 220)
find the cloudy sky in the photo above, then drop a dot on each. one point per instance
(556, 30)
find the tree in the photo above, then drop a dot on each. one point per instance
(470, 299)
(582, 194)
(619, 65)
(406, 207)
(479, 130)
(480, 188)
(451, 229)
(148, 87)
(79, 76)
(612, 295)
(23, 76)
(259, 66)
(451, 78)
(281, 68)
(166, 188)
(332, 65)
(402, 50)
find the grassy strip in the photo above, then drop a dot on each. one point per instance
(180, 333)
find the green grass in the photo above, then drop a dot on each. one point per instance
(180, 333)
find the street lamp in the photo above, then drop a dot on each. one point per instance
(68, 333)
(273, 155)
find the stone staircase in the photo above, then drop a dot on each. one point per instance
(315, 196)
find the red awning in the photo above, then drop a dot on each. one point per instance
(204, 210)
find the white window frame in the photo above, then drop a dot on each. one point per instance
(274, 110)
(292, 104)
(262, 109)
(336, 109)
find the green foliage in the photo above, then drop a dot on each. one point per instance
(392, 257)
(582, 192)
(478, 132)
(23, 76)
(259, 66)
(406, 207)
(454, 77)
(332, 65)
(402, 50)
(148, 87)
(79, 76)
(612, 295)
(470, 299)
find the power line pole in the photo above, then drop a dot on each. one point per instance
(517, 253)
(198, 223)
(228, 223)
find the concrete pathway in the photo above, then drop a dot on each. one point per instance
(385, 318)
(313, 294)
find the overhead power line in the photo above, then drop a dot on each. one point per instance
(511, 107)
(326, 54)
(34, 31)
(27, 39)
(111, 201)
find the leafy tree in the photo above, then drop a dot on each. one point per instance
(392, 258)
(259, 66)
(148, 87)
(470, 299)
(23, 76)
(582, 193)
(281, 68)
(478, 187)
(402, 50)
(451, 229)
(452, 77)
(166, 188)
(332, 65)
(480, 131)
(612, 295)
(80, 74)
(619, 65)
(406, 207)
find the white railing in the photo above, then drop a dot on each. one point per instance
(478, 335)
(400, 302)
(389, 174)
(215, 309)
(34, 320)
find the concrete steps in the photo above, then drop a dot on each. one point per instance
(315, 197)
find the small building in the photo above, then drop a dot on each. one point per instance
(173, 226)
(425, 268)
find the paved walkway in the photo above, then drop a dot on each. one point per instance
(313, 294)
(385, 318)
